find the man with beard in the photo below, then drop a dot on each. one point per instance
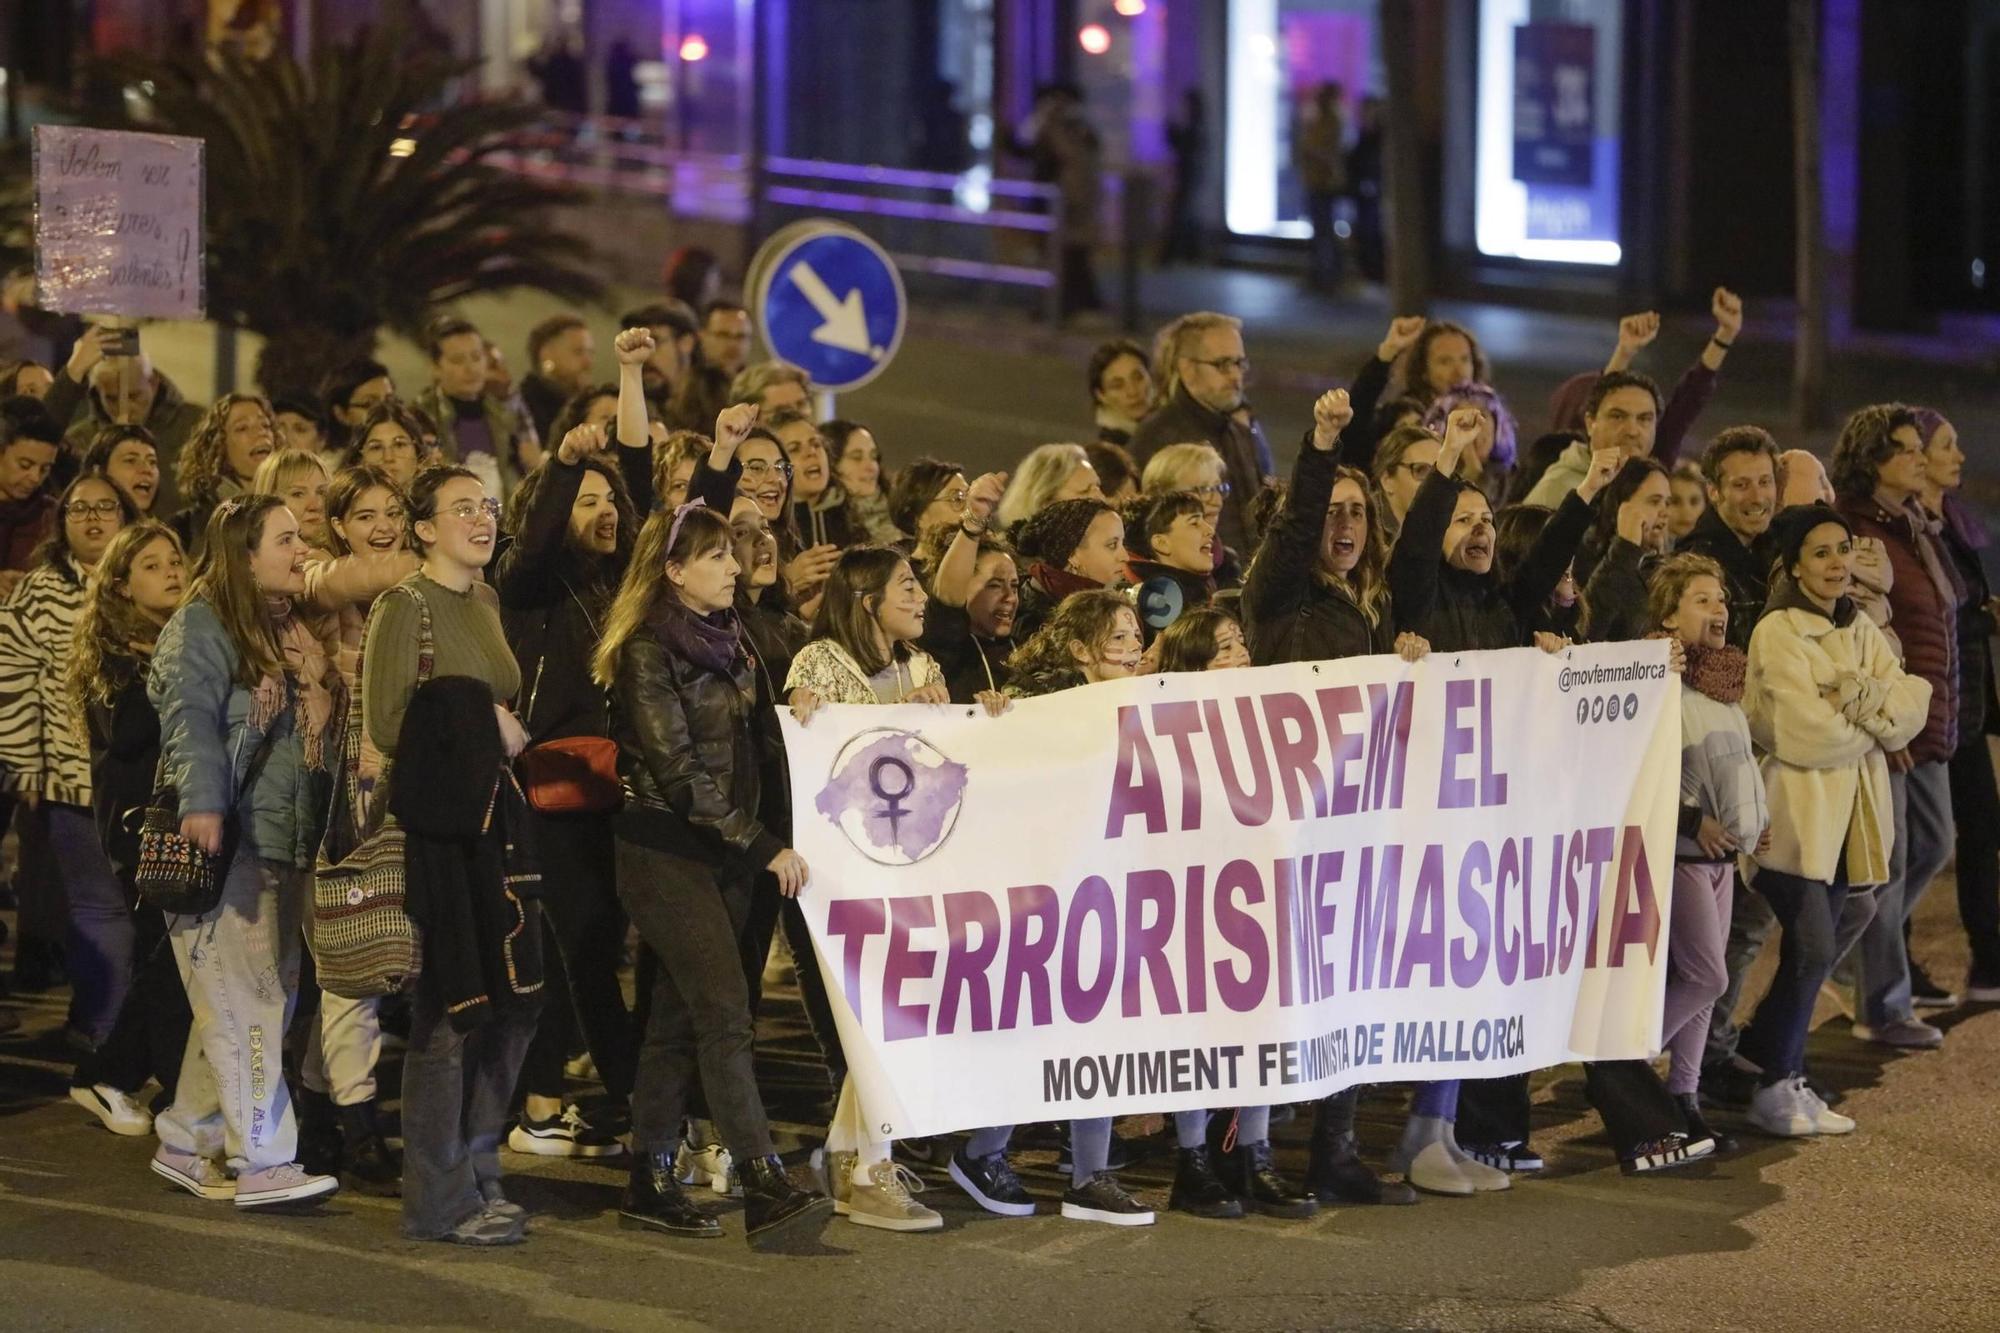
(1203, 367)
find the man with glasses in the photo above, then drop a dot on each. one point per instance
(1203, 368)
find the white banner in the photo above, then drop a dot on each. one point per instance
(1242, 887)
(118, 222)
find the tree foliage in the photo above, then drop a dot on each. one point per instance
(357, 193)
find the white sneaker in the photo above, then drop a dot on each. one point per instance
(709, 1165)
(203, 1177)
(286, 1183)
(119, 1112)
(1781, 1110)
(1825, 1119)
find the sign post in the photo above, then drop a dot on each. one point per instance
(118, 223)
(828, 300)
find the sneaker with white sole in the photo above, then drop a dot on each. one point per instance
(1780, 1109)
(1904, 1034)
(1825, 1119)
(1510, 1156)
(883, 1201)
(203, 1177)
(1982, 990)
(710, 1165)
(119, 1112)
(565, 1134)
(281, 1185)
(1664, 1154)
(992, 1184)
(1103, 1199)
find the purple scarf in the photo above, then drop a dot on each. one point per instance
(713, 642)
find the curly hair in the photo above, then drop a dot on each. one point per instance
(1416, 369)
(102, 659)
(1670, 583)
(1053, 535)
(1044, 664)
(1866, 442)
(198, 473)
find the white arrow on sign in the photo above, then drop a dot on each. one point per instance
(846, 325)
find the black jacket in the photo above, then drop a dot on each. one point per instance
(1746, 571)
(1616, 594)
(689, 752)
(1459, 611)
(970, 663)
(552, 604)
(1246, 457)
(473, 887)
(773, 636)
(124, 760)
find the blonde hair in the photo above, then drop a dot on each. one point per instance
(1173, 340)
(682, 446)
(281, 467)
(701, 531)
(199, 471)
(1169, 469)
(1041, 474)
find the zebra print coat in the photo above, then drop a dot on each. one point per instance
(43, 749)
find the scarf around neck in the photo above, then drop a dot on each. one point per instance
(308, 670)
(1716, 672)
(1060, 583)
(713, 642)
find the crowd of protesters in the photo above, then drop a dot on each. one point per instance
(544, 631)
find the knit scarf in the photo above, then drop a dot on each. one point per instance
(306, 665)
(1716, 672)
(1060, 583)
(713, 642)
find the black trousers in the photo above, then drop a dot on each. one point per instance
(583, 920)
(1975, 810)
(768, 909)
(1634, 1103)
(692, 914)
(152, 1028)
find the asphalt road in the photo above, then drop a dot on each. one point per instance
(1891, 1227)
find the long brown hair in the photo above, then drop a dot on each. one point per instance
(645, 582)
(206, 452)
(102, 659)
(861, 574)
(222, 579)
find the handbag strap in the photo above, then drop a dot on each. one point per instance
(348, 789)
(541, 659)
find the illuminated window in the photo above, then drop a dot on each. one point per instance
(1280, 52)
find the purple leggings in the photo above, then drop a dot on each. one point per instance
(1438, 1099)
(1696, 974)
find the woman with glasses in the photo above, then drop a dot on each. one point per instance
(45, 755)
(391, 437)
(219, 460)
(1404, 461)
(928, 501)
(468, 1034)
(1197, 470)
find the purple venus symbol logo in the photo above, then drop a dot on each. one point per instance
(894, 795)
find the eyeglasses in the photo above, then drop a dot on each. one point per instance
(1417, 471)
(764, 467)
(955, 499)
(1225, 364)
(1218, 488)
(91, 509)
(467, 511)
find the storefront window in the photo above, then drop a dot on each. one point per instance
(1280, 53)
(1548, 130)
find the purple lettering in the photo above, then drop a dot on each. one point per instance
(901, 1020)
(1388, 744)
(1492, 785)
(1028, 960)
(1295, 753)
(1181, 721)
(1637, 920)
(1093, 898)
(966, 964)
(1326, 875)
(1343, 747)
(1146, 946)
(1197, 939)
(854, 920)
(1455, 792)
(1517, 867)
(1599, 844)
(1424, 945)
(1468, 955)
(1135, 785)
(1252, 808)
(1375, 919)
(1241, 991)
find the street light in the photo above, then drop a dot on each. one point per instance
(1094, 38)
(694, 47)
(1130, 9)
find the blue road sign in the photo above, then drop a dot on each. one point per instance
(830, 302)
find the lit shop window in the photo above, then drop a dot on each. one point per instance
(1280, 53)
(1547, 147)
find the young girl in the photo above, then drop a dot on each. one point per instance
(45, 754)
(1722, 815)
(246, 692)
(689, 845)
(863, 651)
(137, 584)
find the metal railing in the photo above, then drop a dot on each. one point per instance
(970, 226)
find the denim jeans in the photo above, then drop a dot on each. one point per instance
(150, 1038)
(458, 1090)
(98, 949)
(240, 966)
(1811, 914)
(1750, 925)
(1923, 845)
(692, 915)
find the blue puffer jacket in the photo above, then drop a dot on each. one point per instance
(207, 743)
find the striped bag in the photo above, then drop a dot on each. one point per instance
(363, 941)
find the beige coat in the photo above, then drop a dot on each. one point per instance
(1824, 703)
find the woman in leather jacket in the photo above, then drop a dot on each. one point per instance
(689, 845)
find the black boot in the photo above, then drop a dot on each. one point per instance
(1698, 1128)
(654, 1201)
(1336, 1174)
(775, 1211)
(1197, 1190)
(1268, 1192)
(372, 1166)
(319, 1132)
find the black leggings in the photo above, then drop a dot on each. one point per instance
(584, 922)
(152, 1028)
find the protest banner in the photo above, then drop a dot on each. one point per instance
(1240, 887)
(118, 222)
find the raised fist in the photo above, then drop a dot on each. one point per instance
(633, 346)
(1330, 417)
(1404, 330)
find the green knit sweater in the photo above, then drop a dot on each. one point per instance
(467, 641)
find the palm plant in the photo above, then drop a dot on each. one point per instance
(355, 194)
